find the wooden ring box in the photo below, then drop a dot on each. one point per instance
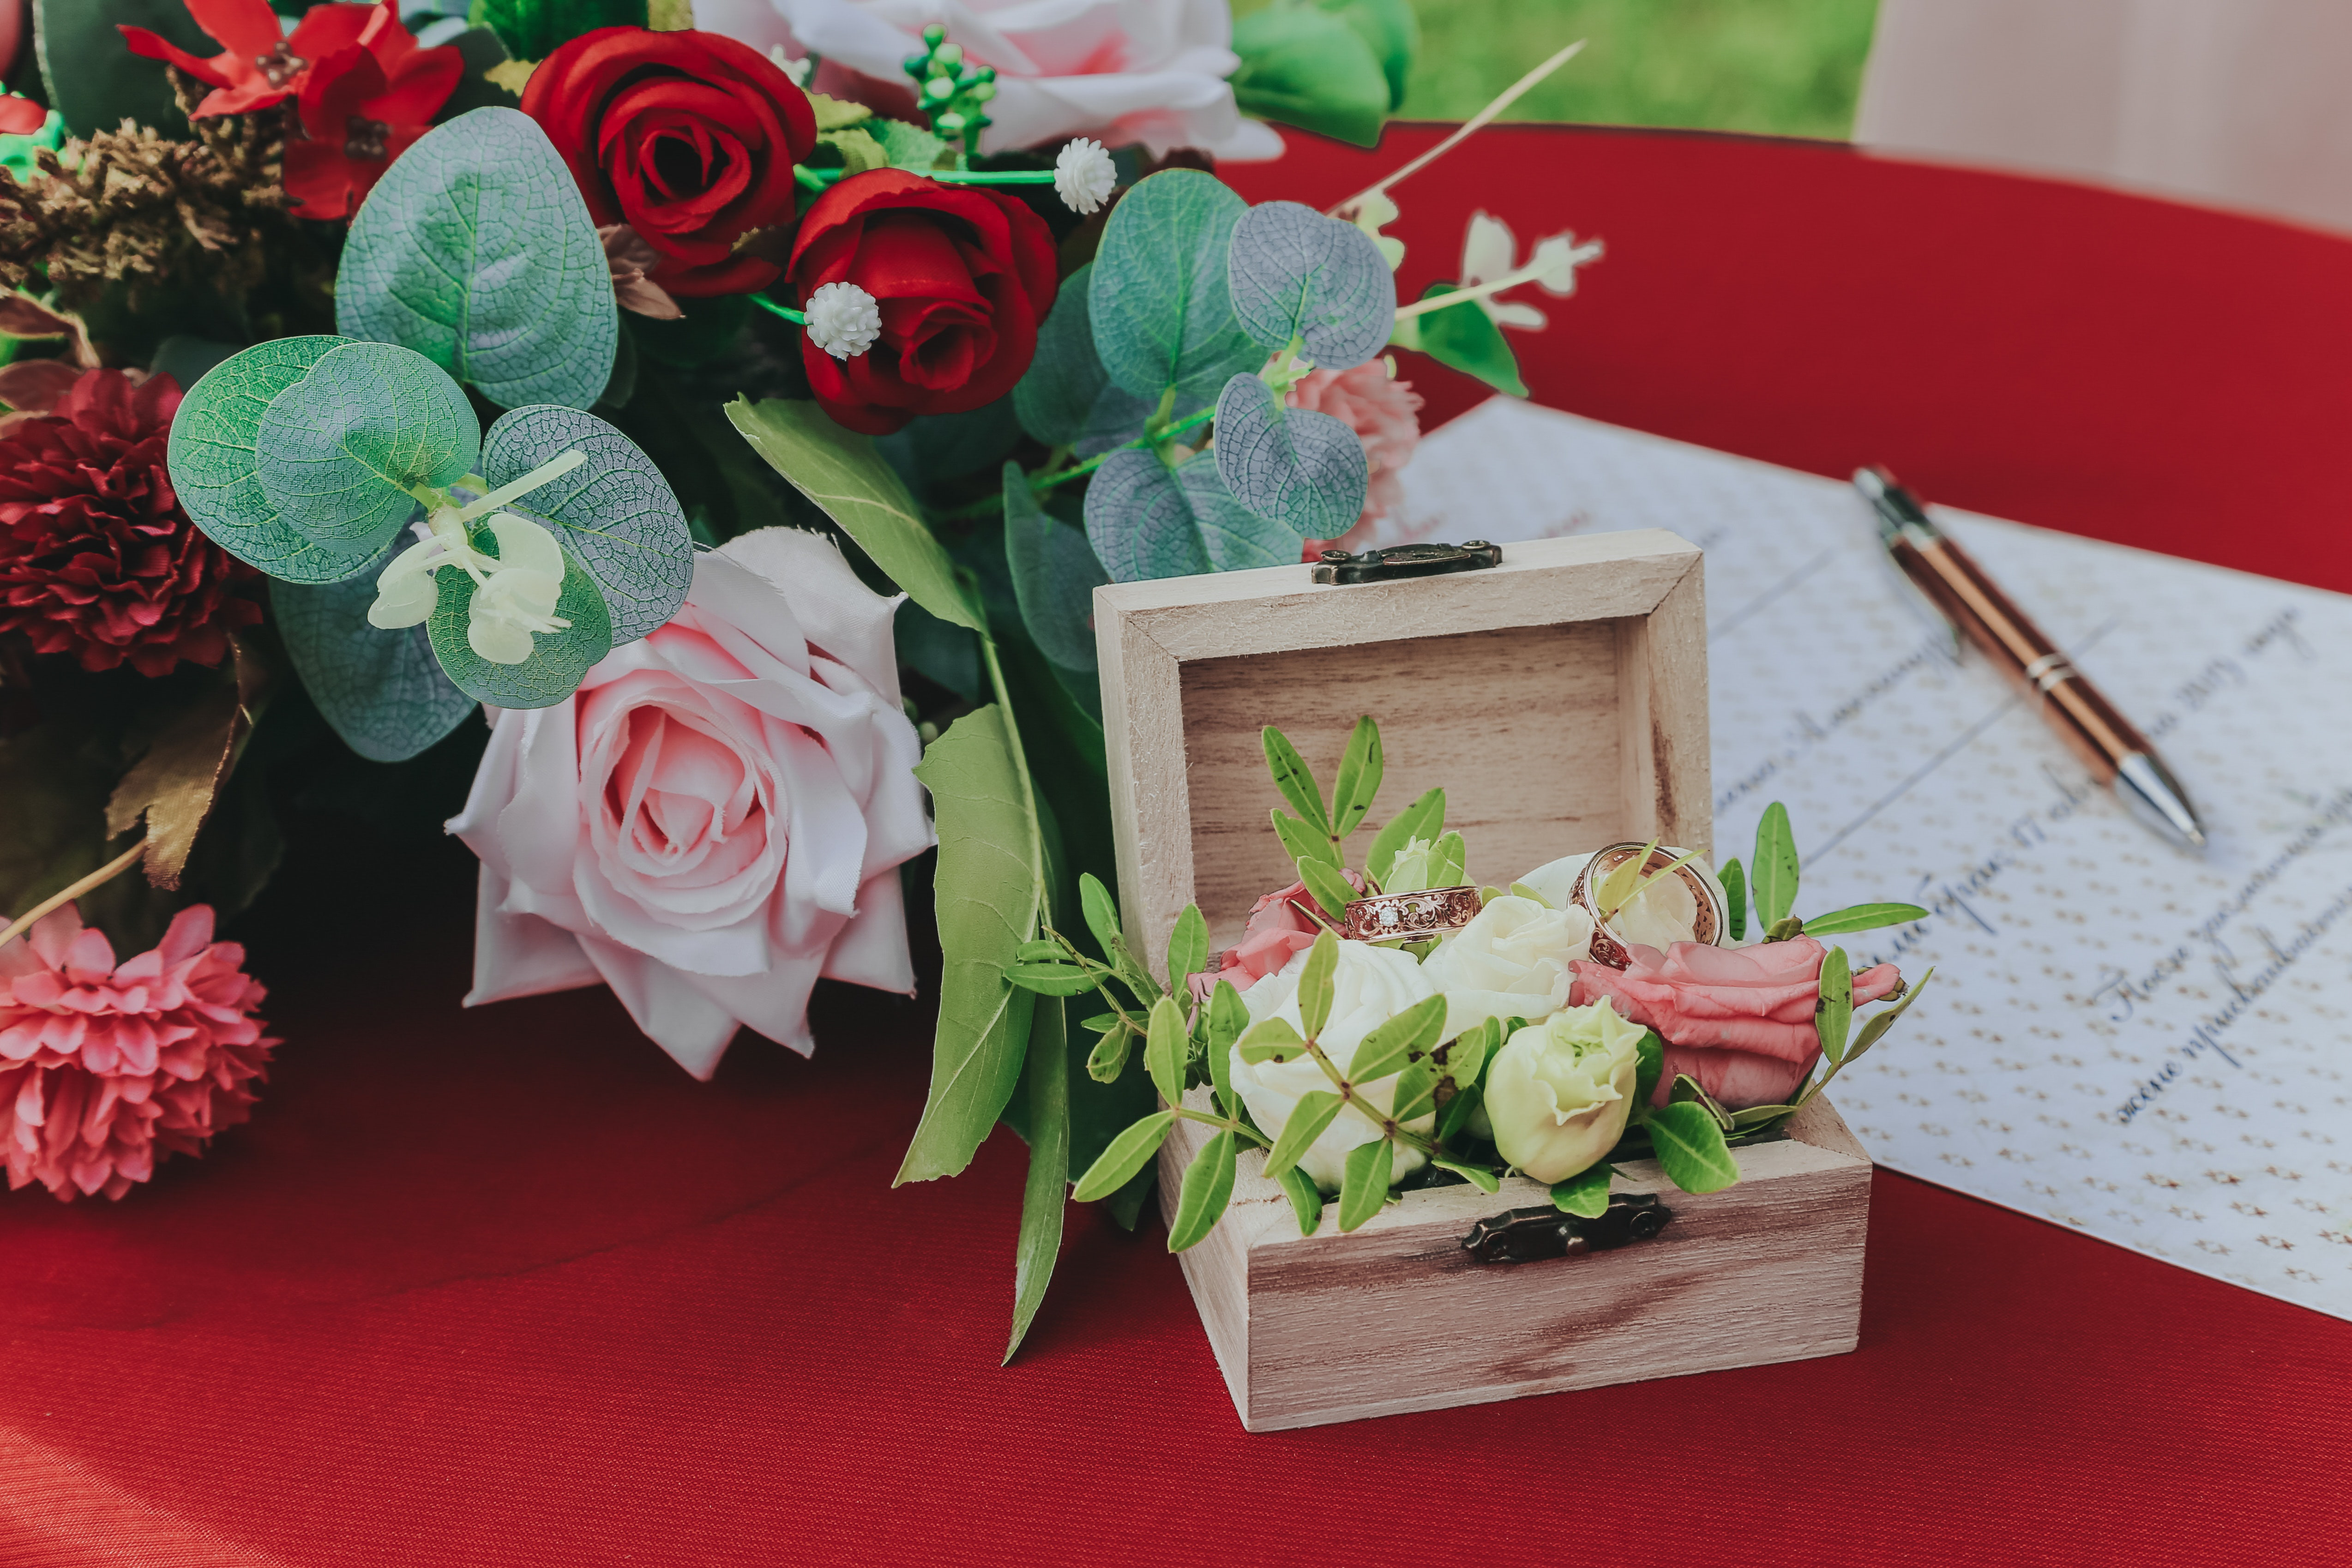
(1561, 698)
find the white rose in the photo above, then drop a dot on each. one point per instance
(1511, 961)
(1560, 1091)
(1370, 986)
(1658, 916)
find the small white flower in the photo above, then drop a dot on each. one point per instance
(1083, 177)
(798, 69)
(843, 320)
(1490, 250)
(515, 591)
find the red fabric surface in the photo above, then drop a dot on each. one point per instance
(505, 1286)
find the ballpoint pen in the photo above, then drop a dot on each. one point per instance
(2116, 751)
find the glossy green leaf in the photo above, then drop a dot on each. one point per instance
(1753, 1117)
(1456, 1113)
(1055, 575)
(848, 480)
(1046, 951)
(1050, 980)
(1314, 1112)
(1046, 1074)
(1688, 1090)
(1772, 873)
(909, 146)
(1364, 1183)
(1451, 862)
(1126, 1156)
(1222, 1032)
(1833, 1014)
(1463, 338)
(1293, 466)
(1734, 897)
(1391, 31)
(1228, 1015)
(1389, 1047)
(1416, 1091)
(1862, 917)
(1466, 1055)
(1207, 1188)
(1585, 1194)
(337, 455)
(1303, 67)
(1483, 1177)
(1651, 1053)
(1331, 891)
(1305, 1199)
(1876, 1029)
(1298, 275)
(1301, 842)
(1164, 1049)
(615, 511)
(1161, 306)
(987, 893)
(1358, 784)
(1690, 1145)
(559, 661)
(1057, 397)
(383, 691)
(1188, 947)
(1107, 1060)
(1424, 819)
(1102, 914)
(1295, 780)
(1316, 984)
(1270, 1039)
(476, 249)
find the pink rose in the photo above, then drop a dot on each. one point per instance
(716, 819)
(1739, 1020)
(1278, 926)
(1385, 415)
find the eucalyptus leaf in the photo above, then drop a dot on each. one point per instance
(1303, 470)
(1147, 520)
(1164, 1050)
(1585, 1194)
(338, 452)
(1162, 310)
(615, 511)
(1772, 873)
(1424, 819)
(848, 480)
(1316, 1110)
(1358, 783)
(1833, 1014)
(383, 691)
(1126, 1156)
(1463, 338)
(1734, 897)
(1294, 780)
(1862, 917)
(1689, 1143)
(988, 906)
(1056, 396)
(1207, 1188)
(558, 660)
(1055, 575)
(1364, 1183)
(1305, 1199)
(1297, 275)
(476, 249)
(1046, 1072)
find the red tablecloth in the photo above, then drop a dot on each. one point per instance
(504, 1287)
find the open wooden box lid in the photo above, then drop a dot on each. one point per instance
(1560, 698)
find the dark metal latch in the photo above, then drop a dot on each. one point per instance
(1400, 561)
(1527, 1235)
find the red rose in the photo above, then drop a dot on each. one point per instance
(689, 138)
(97, 558)
(962, 277)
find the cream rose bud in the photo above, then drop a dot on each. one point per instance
(1370, 986)
(1511, 961)
(1560, 1091)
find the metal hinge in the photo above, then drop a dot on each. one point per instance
(1406, 560)
(1527, 1235)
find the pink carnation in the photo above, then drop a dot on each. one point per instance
(103, 1065)
(1385, 415)
(1279, 926)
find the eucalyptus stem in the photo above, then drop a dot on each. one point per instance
(1527, 274)
(983, 507)
(824, 178)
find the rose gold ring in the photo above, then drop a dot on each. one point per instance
(1707, 923)
(1409, 917)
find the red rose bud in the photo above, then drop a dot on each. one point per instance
(689, 138)
(97, 559)
(962, 277)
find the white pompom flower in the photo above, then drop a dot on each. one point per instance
(1083, 177)
(843, 320)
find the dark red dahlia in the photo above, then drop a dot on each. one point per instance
(97, 558)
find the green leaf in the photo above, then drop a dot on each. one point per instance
(1463, 338)
(1483, 1177)
(1306, 67)
(1364, 1183)
(1651, 1052)
(1102, 915)
(987, 893)
(1303, 470)
(1188, 947)
(1147, 520)
(1416, 1091)
(910, 146)
(1044, 951)
(1056, 398)
(1124, 1157)
(1316, 984)
(383, 692)
(532, 29)
(1270, 1039)
(1755, 1116)
(1456, 1115)
(615, 511)
(1688, 1090)
(480, 50)
(1358, 781)
(1388, 1048)
(1314, 1112)
(93, 80)
(1393, 32)
(1466, 1056)
(1161, 310)
(1689, 1145)
(1055, 575)
(476, 249)
(1305, 1199)
(1207, 1187)
(1449, 863)
(1773, 870)
(1043, 1192)
(1301, 842)
(1228, 1016)
(1424, 819)
(559, 661)
(1862, 917)
(1299, 277)
(1107, 1060)
(848, 480)
(1050, 980)
(337, 453)
(1876, 1029)
(1734, 897)
(1295, 780)
(1833, 1014)
(1164, 1049)
(1585, 1194)
(1331, 891)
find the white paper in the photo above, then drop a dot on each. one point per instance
(2147, 1044)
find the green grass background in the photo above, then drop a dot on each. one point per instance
(1791, 68)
